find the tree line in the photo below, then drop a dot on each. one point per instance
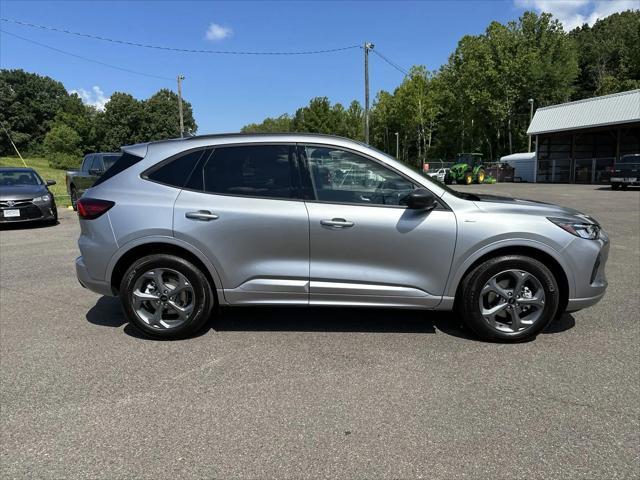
(44, 119)
(479, 100)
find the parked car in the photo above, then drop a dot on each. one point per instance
(439, 174)
(25, 197)
(176, 227)
(93, 166)
(626, 172)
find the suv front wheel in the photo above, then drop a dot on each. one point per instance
(166, 296)
(508, 298)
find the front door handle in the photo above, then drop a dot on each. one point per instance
(337, 222)
(205, 215)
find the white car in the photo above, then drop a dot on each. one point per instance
(439, 174)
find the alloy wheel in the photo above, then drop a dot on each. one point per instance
(163, 298)
(512, 301)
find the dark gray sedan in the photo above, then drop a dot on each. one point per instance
(25, 197)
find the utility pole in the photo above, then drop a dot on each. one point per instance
(367, 46)
(530, 120)
(398, 145)
(180, 78)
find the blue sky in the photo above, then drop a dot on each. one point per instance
(227, 91)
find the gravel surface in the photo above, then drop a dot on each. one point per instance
(311, 393)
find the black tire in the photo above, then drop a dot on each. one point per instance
(469, 294)
(468, 178)
(615, 186)
(624, 186)
(54, 220)
(74, 199)
(447, 180)
(203, 297)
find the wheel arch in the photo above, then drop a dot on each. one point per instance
(120, 263)
(549, 260)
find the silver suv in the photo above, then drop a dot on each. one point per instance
(179, 226)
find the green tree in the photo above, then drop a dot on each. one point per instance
(28, 105)
(485, 86)
(62, 145)
(161, 117)
(317, 117)
(81, 118)
(280, 124)
(608, 55)
(121, 123)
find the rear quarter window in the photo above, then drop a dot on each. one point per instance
(176, 171)
(125, 161)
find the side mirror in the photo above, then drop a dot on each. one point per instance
(95, 171)
(421, 199)
(50, 182)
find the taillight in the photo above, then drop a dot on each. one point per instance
(90, 208)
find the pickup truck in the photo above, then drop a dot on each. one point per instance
(93, 165)
(626, 172)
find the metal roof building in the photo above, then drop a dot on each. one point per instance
(579, 142)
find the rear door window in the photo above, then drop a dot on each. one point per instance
(252, 171)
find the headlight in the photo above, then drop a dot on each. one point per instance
(43, 199)
(590, 231)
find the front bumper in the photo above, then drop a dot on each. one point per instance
(588, 259)
(576, 304)
(98, 286)
(29, 212)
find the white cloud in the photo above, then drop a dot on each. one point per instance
(95, 97)
(575, 13)
(218, 32)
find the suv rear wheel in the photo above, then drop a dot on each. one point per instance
(166, 296)
(509, 298)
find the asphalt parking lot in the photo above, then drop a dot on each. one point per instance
(309, 393)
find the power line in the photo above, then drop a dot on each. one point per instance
(85, 58)
(393, 64)
(174, 49)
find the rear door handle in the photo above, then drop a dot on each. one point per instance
(337, 222)
(204, 215)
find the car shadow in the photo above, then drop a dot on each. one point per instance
(108, 313)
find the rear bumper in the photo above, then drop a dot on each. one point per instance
(98, 286)
(628, 180)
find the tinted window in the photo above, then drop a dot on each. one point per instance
(255, 171)
(18, 177)
(630, 159)
(86, 163)
(96, 164)
(109, 160)
(125, 161)
(176, 171)
(339, 176)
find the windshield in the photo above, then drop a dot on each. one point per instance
(9, 178)
(433, 180)
(629, 159)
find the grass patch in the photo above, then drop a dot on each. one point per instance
(41, 165)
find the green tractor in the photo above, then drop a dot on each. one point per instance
(468, 169)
